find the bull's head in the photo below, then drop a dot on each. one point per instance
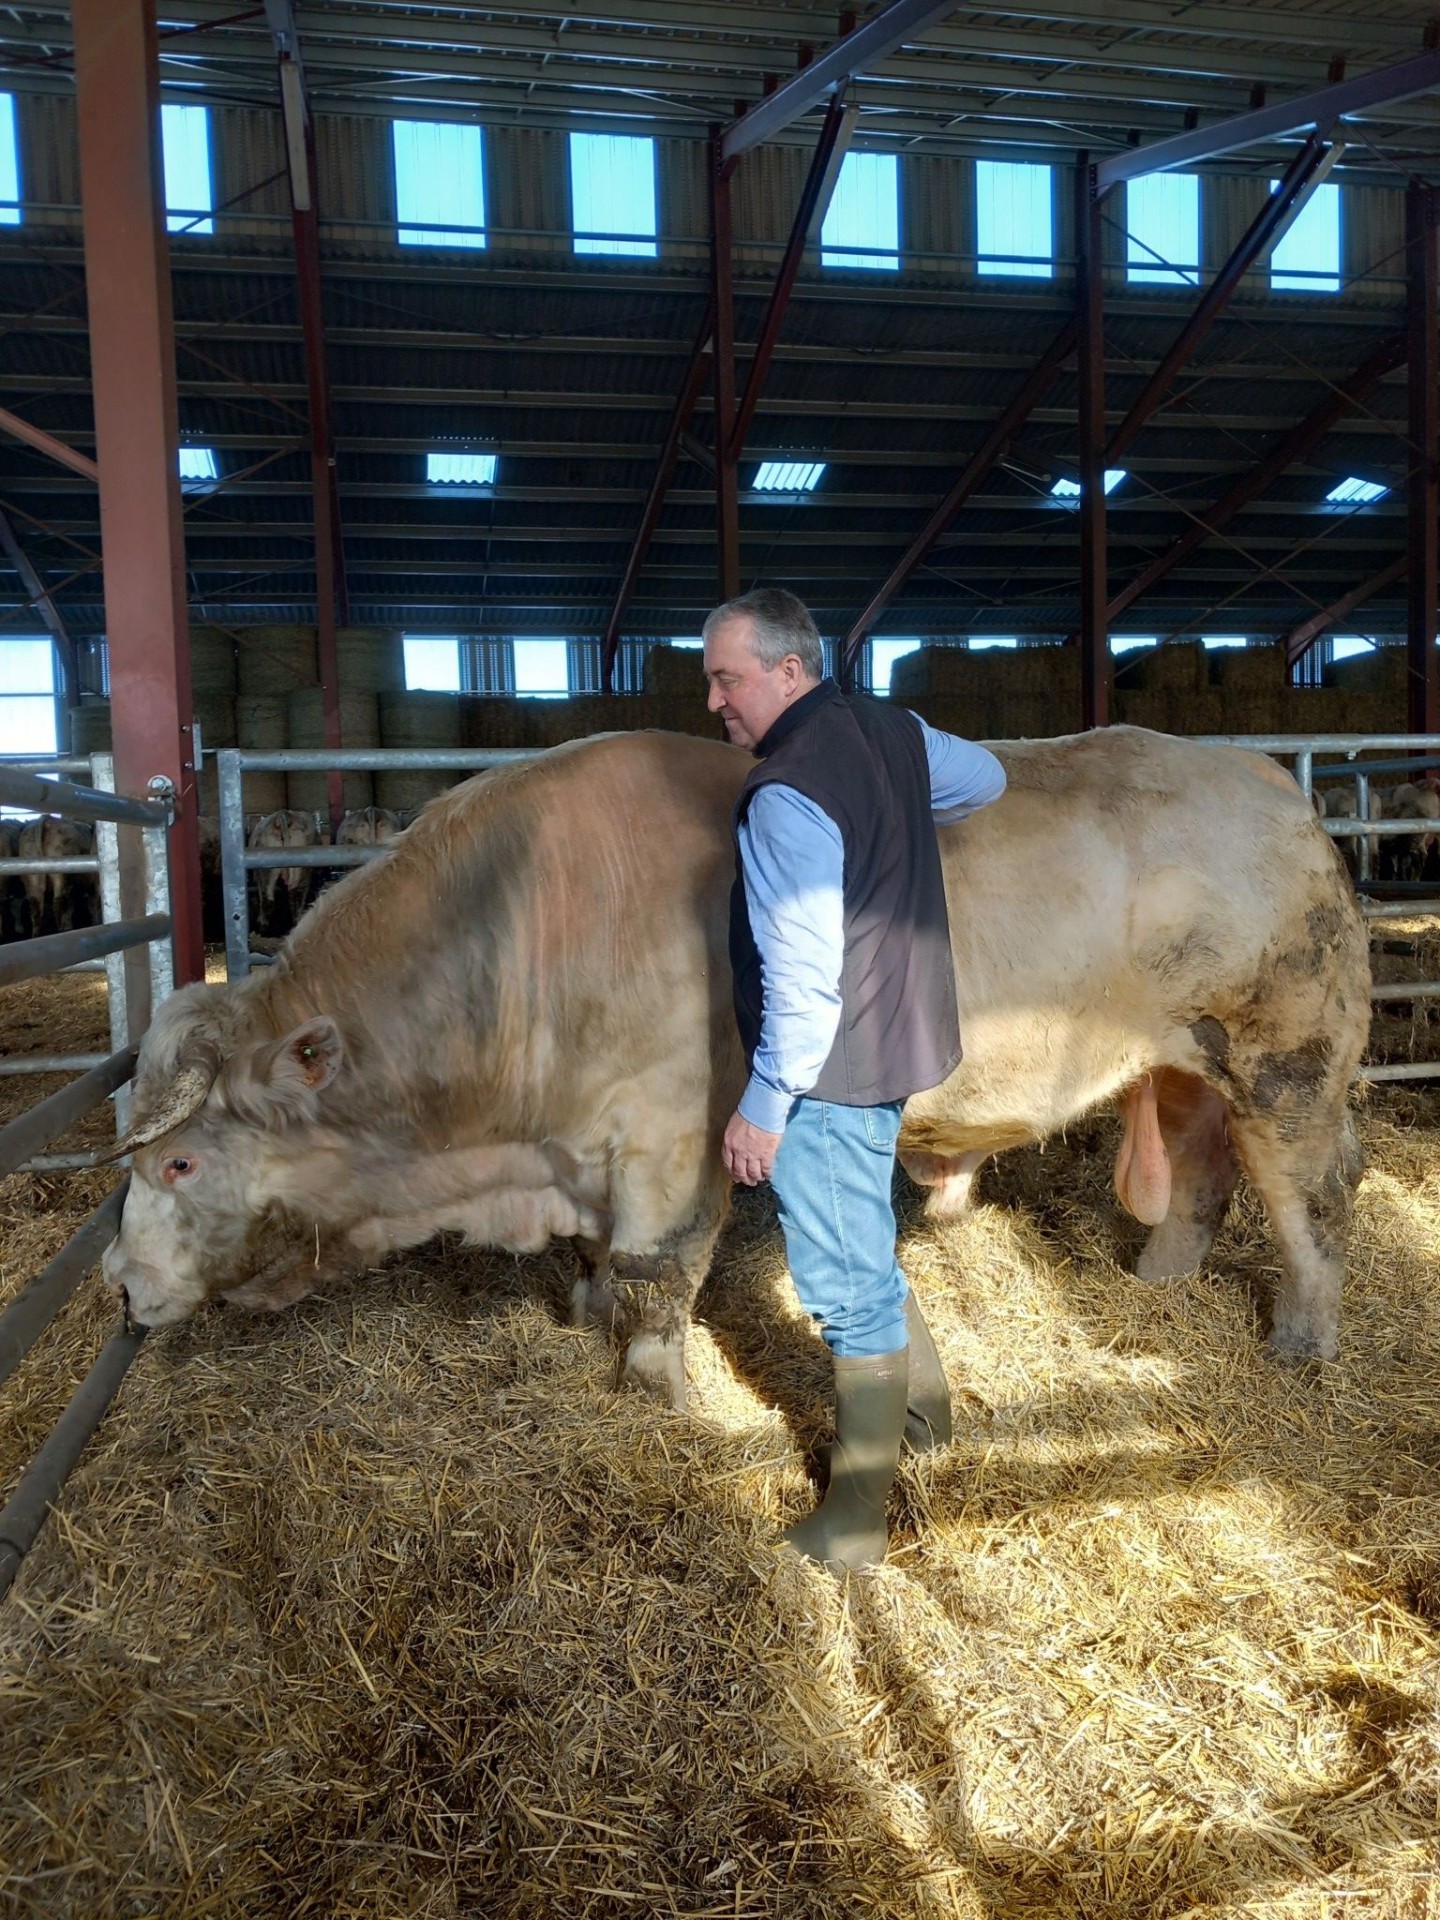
(216, 1114)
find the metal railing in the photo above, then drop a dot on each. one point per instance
(238, 861)
(1412, 753)
(32, 1310)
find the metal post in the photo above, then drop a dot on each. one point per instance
(117, 965)
(727, 501)
(1090, 357)
(1422, 490)
(132, 360)
(233, 882)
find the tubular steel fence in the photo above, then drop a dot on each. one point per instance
(238, 861)
(40, 1300)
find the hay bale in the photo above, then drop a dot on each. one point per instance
(263, 792)
(276, 660)
(1380, 712)
(1140, 707)
(371, 659)
(910, 679)
(90, 727)
(493, 720)
(1382, 670)
(1022, 716)
(213, 665)
(359, 727)
(674, 672)
(262, 720)
(1202, 712)
(1183, 666)
(1315, 710)
(216, 716)
(419, 720)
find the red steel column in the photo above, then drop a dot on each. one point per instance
(1422, 491)
(727, 484)
(132, 359)
(1090, 367)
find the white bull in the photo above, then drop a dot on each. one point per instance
(515, 1022)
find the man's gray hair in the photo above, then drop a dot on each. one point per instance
(782, 626)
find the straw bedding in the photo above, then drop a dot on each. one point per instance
(388, 1606)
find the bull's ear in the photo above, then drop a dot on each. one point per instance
(307, 1060)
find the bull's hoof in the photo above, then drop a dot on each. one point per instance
(1293, 1349)
(592, 1304)
(657, 1367)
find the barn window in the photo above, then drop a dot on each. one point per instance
(1213, 640)
(27, 697)
(439, 184)
(1352, 492)
(1345, 646)
(883, 655)
(788, 476)
(461, 469)
(979, 642)
(189, 196)
(587, 662)
(1014, 219)
(432, 663)
(1306, 258)
(9, 164)
(1162, 221)
(542, 668)
(862, 224)
(1128, 642)
(612, 193)
(1069, 490)
(198, 468)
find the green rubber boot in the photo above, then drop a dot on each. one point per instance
(847, 1529)
(928, 1422)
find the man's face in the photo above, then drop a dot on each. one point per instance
(748, 696)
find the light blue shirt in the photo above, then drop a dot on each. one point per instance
(794, 861)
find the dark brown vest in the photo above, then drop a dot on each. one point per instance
(863, 763)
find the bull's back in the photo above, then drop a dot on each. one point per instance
(1126, 883)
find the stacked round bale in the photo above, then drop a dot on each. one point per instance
(411, 720)
(212, 687)
(274, 662)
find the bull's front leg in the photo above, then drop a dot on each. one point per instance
(654, 1294)
(592, 1301)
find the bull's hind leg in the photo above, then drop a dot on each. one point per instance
(1203, 1171)
(656, 1269)
(592, 1304)
(1306, 1164)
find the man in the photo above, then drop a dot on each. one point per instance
(845, 996)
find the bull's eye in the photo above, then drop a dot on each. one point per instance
(177, 1167)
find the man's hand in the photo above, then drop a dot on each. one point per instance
(748, 1152)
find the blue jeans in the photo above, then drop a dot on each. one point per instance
(832, 1179)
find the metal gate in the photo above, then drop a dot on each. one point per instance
(40, 1300)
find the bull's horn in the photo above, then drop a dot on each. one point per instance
(185, 1096)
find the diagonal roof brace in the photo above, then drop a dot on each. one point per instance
(1319, 110)
(854, 53)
